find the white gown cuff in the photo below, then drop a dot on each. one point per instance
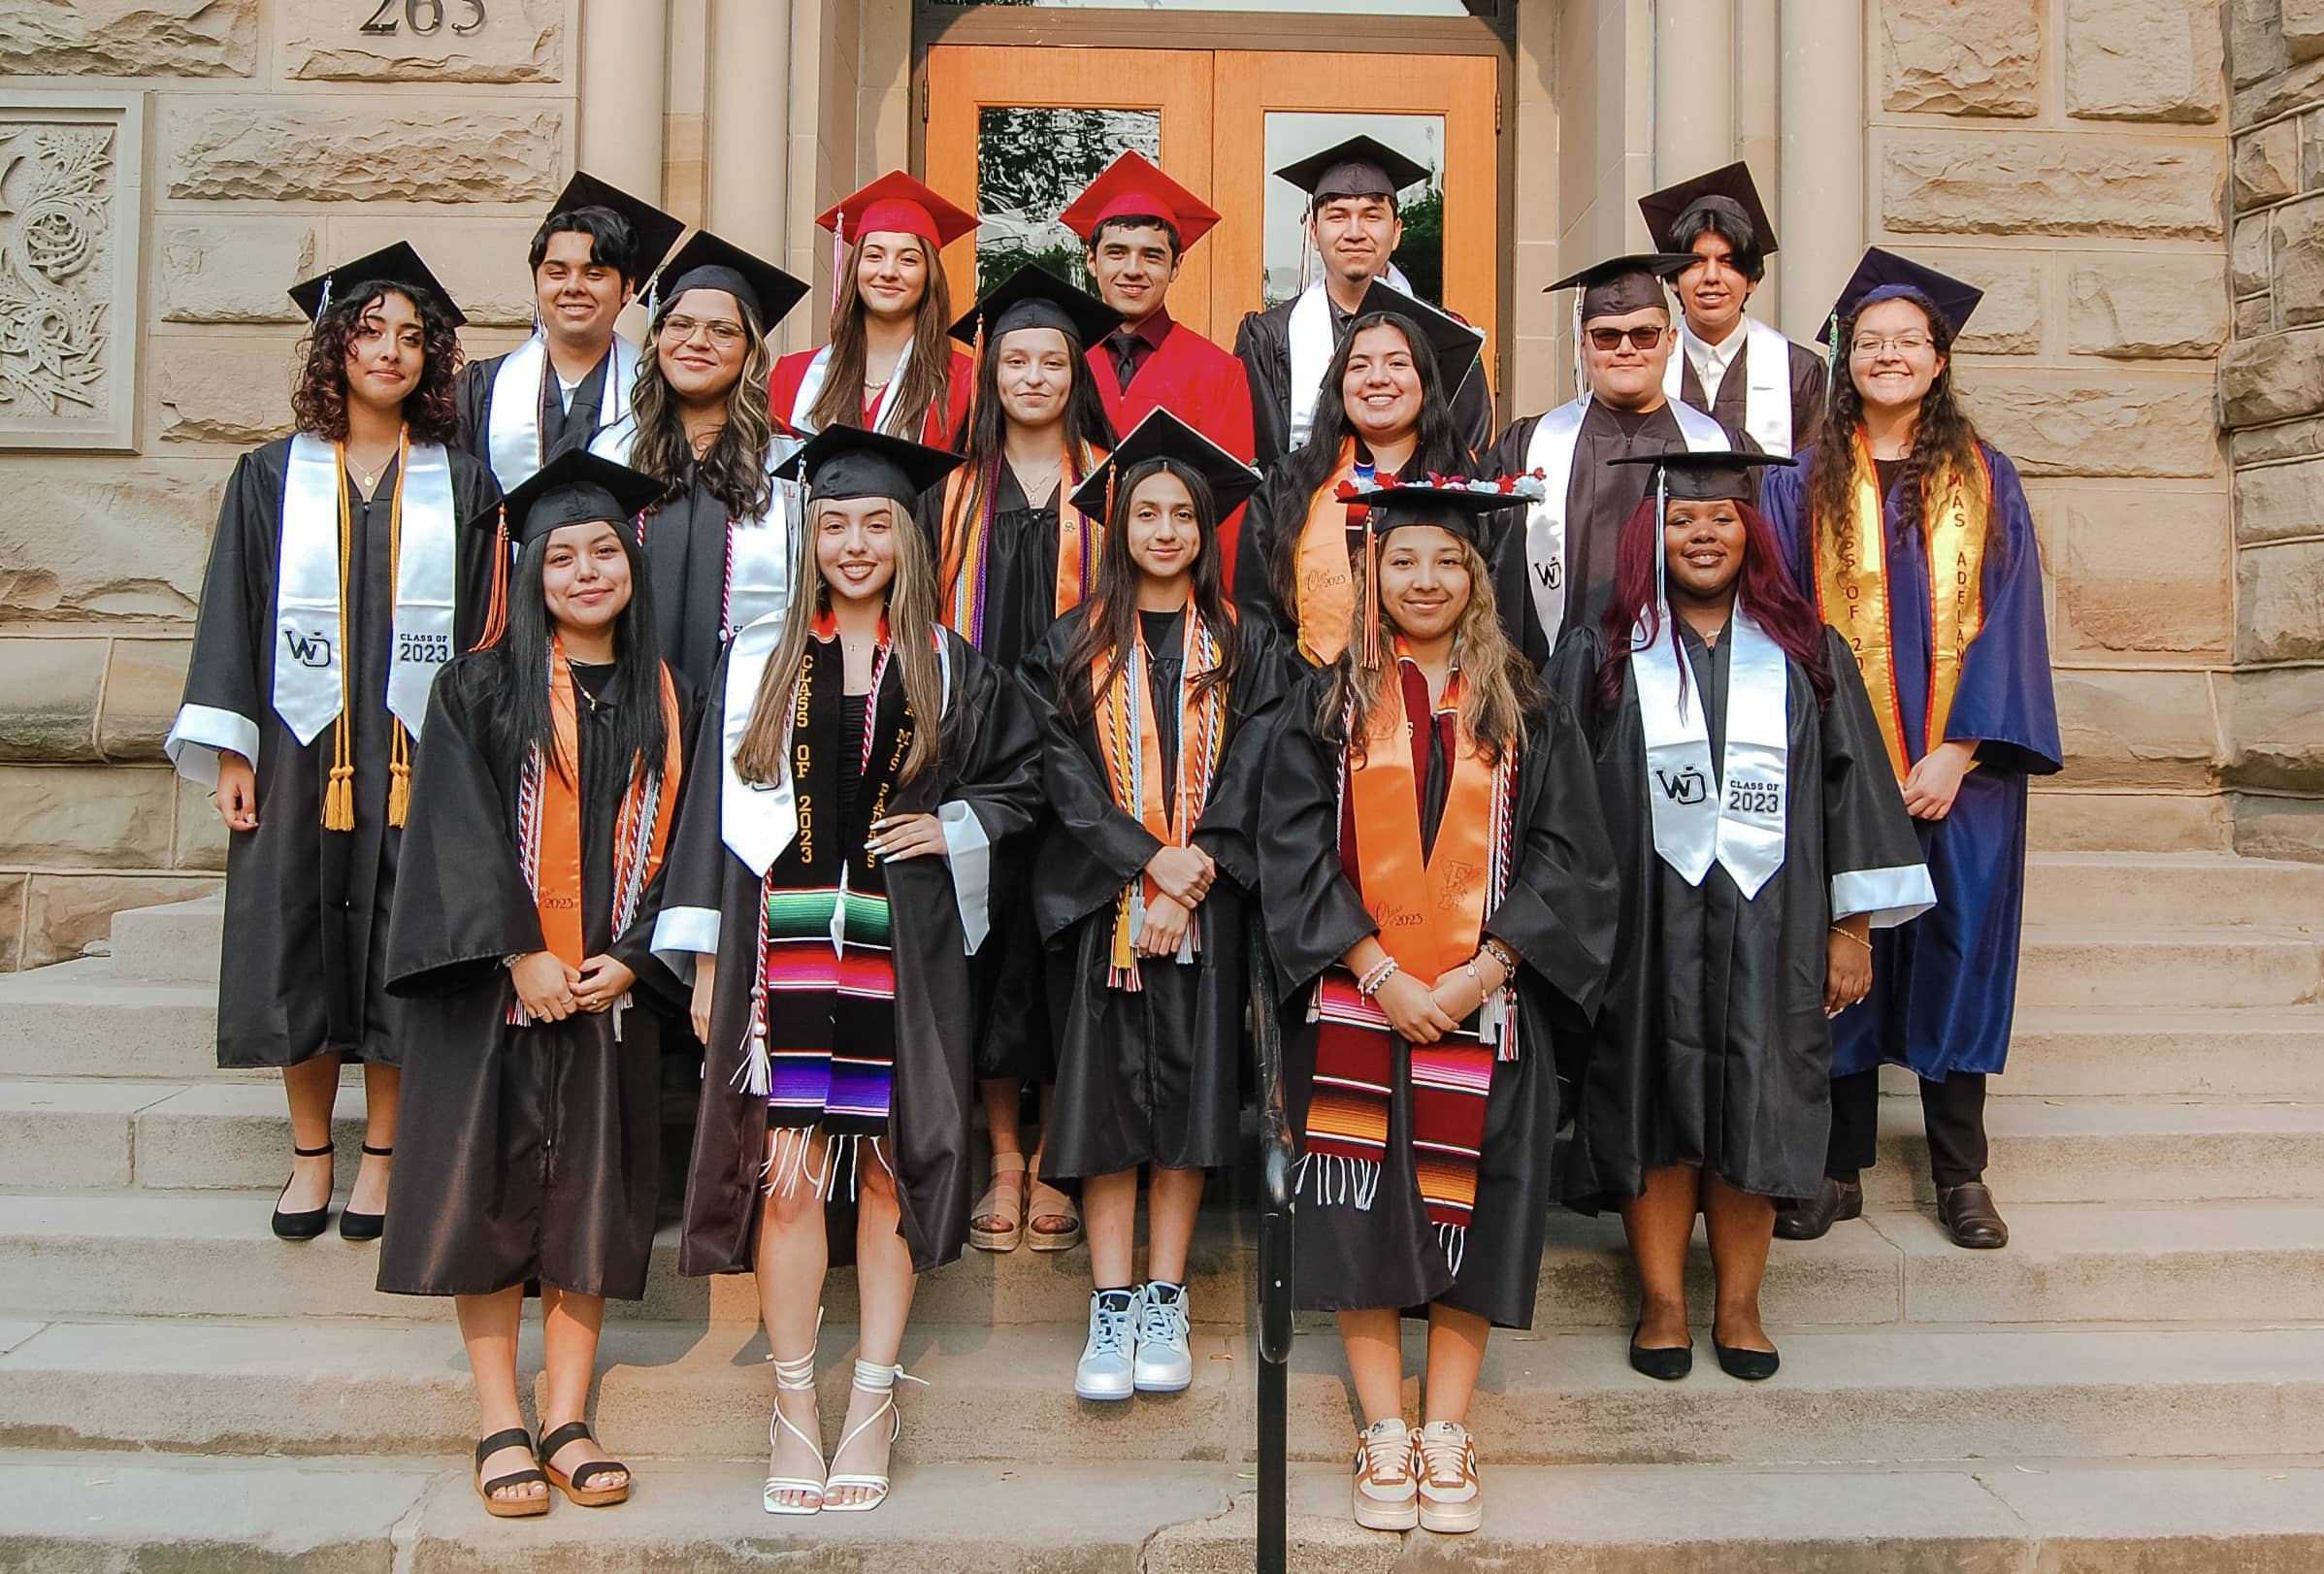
(1891, 895)
(969, 852)
(681, 934)
(201, 733)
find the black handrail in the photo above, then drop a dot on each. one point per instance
(1275, 1159)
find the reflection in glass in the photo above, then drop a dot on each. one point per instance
(1030, 163)
(1294, 135)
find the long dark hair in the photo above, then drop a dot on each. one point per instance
(1440, 450)
(1762, 585)
(638, 729)
(1111, 624)
(318, 403)
(735, 470)
(927, 376)
(1944, 445)
(1086, 420)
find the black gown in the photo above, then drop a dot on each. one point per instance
(1730, 409)
(990, 759)
(303, 969)
(524, 1154)
(686, 552)
(1151, 1075)
(1264, 344)
(1559, 916)
(1711, 1048)
(560, 428)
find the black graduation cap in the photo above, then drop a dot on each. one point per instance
(1728, 191)
(1456, 344)
(1468, 508)
(1883, 276)
(1359, 166)
(1707, 475)
(842, 462)
(1620, 285)
(655, 230)
(1033, 297)
(708, 262)
(396, 264)
(1164, 436)
(575, 488)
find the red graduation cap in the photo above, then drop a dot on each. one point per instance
(1132, 187)
(897, 203)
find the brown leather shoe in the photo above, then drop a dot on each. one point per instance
(1969, 1216)
(1812, 1218)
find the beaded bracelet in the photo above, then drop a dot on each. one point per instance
(1369, 984)
(1502, 955)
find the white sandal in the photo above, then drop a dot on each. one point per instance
(795, 1377)
(870, 1378)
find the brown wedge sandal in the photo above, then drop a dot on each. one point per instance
(1052, 1219)
(508, 1508)
(981, 1234)
(576, 1485)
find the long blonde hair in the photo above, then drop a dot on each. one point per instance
(912, 630)
(925, 379)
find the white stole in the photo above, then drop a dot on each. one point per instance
(810, 386)
(760, 553)
(1736, 818)
(1766, 382)
(308, 664)
(1313, 344)
(513, 424)
(1549, 453)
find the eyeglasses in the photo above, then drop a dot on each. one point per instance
(723, 334)
(1611, 339)
(1867, 347)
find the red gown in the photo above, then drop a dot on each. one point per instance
(1200, 383)
(936, 431)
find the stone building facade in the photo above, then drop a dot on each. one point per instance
(2138, 185)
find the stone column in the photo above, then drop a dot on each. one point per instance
(1758, 132)
(747, 181)
(1819, 212)
(1694, 109)
(622, 91)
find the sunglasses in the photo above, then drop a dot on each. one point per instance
(1611, 339)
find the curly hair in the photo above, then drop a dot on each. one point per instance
(318, 403)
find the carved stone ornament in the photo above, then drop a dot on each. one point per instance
(69, 174)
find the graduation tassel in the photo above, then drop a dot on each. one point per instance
(399, 749)
(399, 778)
(838, 254)
(338, 796)
(496, 609)
(1371, 596)
(338, 793)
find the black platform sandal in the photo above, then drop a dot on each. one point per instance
(354, 1226)
(508, 1508)
(300, 1225)
(576, 1485)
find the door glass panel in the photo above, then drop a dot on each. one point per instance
(1357, 8)
(1030, 163)
(1294, 135)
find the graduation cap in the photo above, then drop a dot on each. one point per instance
(396, 264)
(842, 462)
(1457, 345)
(575, 488)
(1706, 476)
(1164, 436)
(1359, 166)
(708, 262)
(1884, 275)
(1620, 285)
(896, 203)
(1728, 191)
(1465, 508)
(1132, 187)
(655, 230)
(1033, 297)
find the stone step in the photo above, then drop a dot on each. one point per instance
(1890, 1396)
(63, 1136)
(173, 943)
(76, 1511)
(2259, 1054)
(84, 1019)
(2170, 968)
(209, 1255)
(2171, 891)
(2095, 1150)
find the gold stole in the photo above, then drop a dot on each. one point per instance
(1326, 583)
(1851, 590)
(1431, 910)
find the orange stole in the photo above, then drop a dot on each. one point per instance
(1431, 910)
(1326, 583)
(557, 837)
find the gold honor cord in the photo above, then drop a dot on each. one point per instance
(338, 796)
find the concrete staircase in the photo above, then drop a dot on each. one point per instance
(2136, 1382)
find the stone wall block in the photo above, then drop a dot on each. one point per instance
(2311, 151)
(2249, 271)
(2141, 571)
(1996, 184)
(2144, 60)
(2302, 23)
(2293, 439)
(1966, 58)
(2275, 502)
(2269, 826)
(64, 912)
(2009, 319)
(518, 41)
(481, 261)
(233, 392)
(276, 149)
(2137, 729)
(2278, 729)
(129, 38)
(11, 917)
(2060, 424)
(2296, 255)
(201, 841)
(2272, 378)
(2255, 47)
(88, 814)
(95, 542)
(2280, 593)
(142, 686)
(2267, 165)
(49, 706)
(2139, 306)
(231, 270)
(2254, 317)
(2284, 93)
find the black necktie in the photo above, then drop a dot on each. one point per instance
(1123, 344)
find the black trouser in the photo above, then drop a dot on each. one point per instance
(1953, 1111)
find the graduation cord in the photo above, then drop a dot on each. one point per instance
(339, 795)
(399, 749)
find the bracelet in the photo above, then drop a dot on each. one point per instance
(1369, 984)
(1854, 935)
(1505, 957)
(1477, 978)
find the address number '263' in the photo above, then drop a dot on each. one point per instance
(424, 17)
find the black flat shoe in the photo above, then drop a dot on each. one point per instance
(1812, 1218)
(300, 1225)
(1663, 1365)
(1747, 1366)
(354, 1226)
(1970, 1218)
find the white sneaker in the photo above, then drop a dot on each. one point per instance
(1387, 1497)
(1451, 1500)
(1109, 1359)
(1165, 1364)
